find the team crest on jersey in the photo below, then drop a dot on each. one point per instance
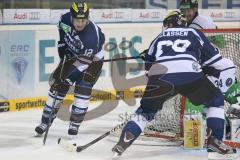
(80, 43)
(195, 66)
(229, 82)
(19, 65)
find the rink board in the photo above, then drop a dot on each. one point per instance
(28, 55)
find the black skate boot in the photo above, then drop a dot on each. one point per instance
(215, 145)
(217, 150)
(122, 144)
(73, 129)
(48, 116)
(40, 129)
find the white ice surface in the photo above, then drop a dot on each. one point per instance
(17, 130)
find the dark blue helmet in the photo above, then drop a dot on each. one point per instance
(175, 18)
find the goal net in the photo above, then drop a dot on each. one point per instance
(168, 122)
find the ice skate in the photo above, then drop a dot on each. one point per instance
(40, 129)
(122, 145)
(217, 150)
(73, 130)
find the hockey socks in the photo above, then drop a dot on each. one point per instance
(217, 127)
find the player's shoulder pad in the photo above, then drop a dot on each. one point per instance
(203, 22)
(66, 18)
(99, 30)
(198, 34)
(95, 25)
(65, 22)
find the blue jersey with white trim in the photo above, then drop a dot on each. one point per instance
(91, 37)
(182, 50)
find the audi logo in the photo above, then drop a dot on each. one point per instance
(34, 15)
(155, 14)
(119, 15)
(229, 14)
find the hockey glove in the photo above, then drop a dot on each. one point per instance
(234, 110)
(210, 71)
(233, 97)
(73, 44)
(143, 54)
(61, 50)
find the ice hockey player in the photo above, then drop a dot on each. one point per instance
(175, 54)
(226, 79)
(81, 60)
(189, 8)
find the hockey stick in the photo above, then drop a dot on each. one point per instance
(73, 147)
(111, 60)
(107, 60)
(50, 118)
(53, 109)
(123, 58)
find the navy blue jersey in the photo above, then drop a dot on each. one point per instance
(183, 51)
(91, 37)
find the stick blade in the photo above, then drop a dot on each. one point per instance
(79, 148)
(217, 156)
(67, 145)
(116, 156)
(36, 141)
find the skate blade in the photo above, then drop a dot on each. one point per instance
(36, 141)
(72, 137)
(217, 156)
(116, 156)
(36, 135)
(67, 145)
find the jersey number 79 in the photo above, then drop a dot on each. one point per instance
(177, 46)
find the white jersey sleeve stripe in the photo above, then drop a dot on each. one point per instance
(222, 64)
(212, 59)
(97, 31)
(181, 66)
(177, 56)
(100, 55)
